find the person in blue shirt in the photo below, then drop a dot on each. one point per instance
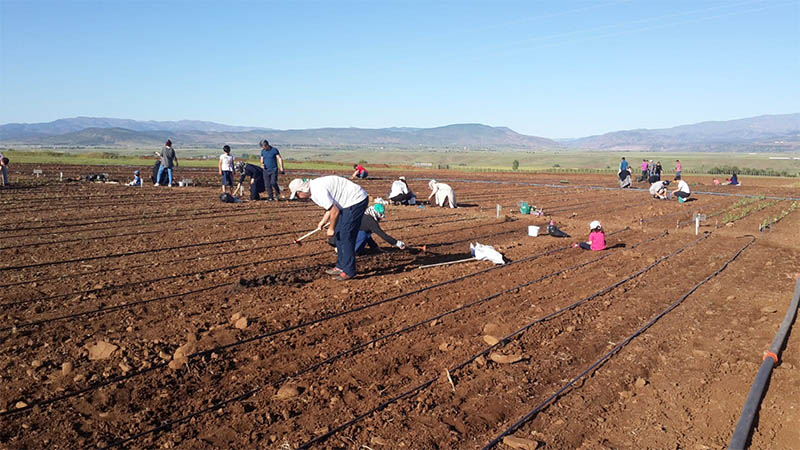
(137, 180)
(271, 162)
(623, 165)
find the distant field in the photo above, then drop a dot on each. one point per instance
(463, 160)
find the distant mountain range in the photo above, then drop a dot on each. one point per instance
(762, 133)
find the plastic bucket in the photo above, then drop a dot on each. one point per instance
(533, 230)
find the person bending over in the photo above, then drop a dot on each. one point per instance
(344, 203)
(443, 194)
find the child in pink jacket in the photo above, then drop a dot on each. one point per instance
(597, 238)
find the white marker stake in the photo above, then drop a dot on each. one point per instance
(60, 176)
(498, 211)
(696, 225)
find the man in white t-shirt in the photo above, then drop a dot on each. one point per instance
(659, 189)
(226, 168)
(344, 203)
(683, 192)
(401, 193)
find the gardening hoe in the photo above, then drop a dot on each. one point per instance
(297, 241)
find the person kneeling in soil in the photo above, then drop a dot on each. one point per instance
(659, 190)
(624, 178)
(137, 180)
(359, 172)
(369, 225)
(683, 192)
(597, 238)
(733, 181)
(401, 193)
(443, 193)
(344, 203)
(256, 175)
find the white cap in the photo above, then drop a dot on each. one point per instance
(298, 185)
(401, 178)
(594, 224)
(431, 184)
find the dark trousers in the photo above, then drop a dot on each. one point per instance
(271, 180)
(682, 194)
(402, 198)
(585, 246)
(644, 175)
(346, 233)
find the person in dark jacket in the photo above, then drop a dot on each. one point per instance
(169, 160)
(256, 175)
(369, 225)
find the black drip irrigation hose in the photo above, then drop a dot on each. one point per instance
(192, 258)
(504, 340)
(358, 347)
(285, 330)
(602, 188)
(741, 435)
(121, 306)
(541, 406)
(206, 271)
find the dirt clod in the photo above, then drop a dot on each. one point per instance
(520, 443)
(101, 350)
(286, 392)
(241, 323)
(504, 359)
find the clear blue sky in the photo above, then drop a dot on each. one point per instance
(554, 69)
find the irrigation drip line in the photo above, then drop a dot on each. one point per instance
(287, 329)
(527, 417)
(358, 347)
(110, 308)
(752, 404)
(502, 341)
(603, 188)
(192, 258)
(236, 266)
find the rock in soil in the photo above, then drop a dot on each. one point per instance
(505, 359)
(286, 392)
(491, 340)
(241, 323)
(101, 350)
(66, 368)
(520, 443)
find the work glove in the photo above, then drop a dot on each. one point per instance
(400, 244)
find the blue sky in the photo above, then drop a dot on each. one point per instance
(554, 69)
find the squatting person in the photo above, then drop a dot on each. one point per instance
(683, 192)
(344, 203)
(369, 225)
(401, 193)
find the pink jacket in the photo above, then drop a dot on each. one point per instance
(598, 240)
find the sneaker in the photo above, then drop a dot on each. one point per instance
(334, 271)
(155, 185)
(341, 277)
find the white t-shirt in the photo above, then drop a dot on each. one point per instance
(227, 162)
(683, 187)
(398, 187)
(333, 190)
(655, 187)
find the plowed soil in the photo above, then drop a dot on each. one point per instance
(147, 317)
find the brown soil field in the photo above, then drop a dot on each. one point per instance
(105, 286)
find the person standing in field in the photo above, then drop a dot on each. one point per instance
(168, 160)
(272, 163)
(4, 169)
(623, 165)
(344, 203)
(678, 167)
(644, 171)
(225, 167)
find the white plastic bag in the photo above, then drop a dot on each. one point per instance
(485, 253)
